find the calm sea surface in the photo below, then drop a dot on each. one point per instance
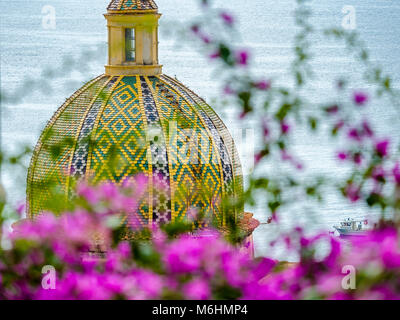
(266, 26)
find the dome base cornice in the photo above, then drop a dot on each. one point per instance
(130, 70)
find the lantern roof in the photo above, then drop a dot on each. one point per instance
(132, 6)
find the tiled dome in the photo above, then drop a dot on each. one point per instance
(147, 124)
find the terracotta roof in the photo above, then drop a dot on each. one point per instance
(132, 5)
(248, 223)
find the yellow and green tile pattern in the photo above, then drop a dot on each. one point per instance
(114, 128)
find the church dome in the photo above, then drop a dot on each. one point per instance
(132, 120)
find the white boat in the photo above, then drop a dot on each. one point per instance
(351, 227)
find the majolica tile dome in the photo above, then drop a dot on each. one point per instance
(146, 122)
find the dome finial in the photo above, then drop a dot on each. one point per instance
(129, 6)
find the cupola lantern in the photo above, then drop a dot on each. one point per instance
(132, 38)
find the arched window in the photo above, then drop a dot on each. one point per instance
(130, 54)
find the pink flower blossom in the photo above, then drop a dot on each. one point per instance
(228, 90)
(367, 129)
(360, 98)
(215, 55)
(206, 39)
(195, 29)
(197, 289)
(382, 148)
(242, 57)
(263, 85)
(21, 209)
(109, 191)
(184, 256)
(334, 254)
(396, 173)
(227, 18)
(263, 268)
(242, 115)
(342, 155)
(352, 192)
(299, 166)
(354, 134)
(285, 127)
(339, 125)
(150, 283)
(88, 193)
(379, 174)
(332, 109)
(258, 157)
(265, 129)
(285, 156)
(357, 158)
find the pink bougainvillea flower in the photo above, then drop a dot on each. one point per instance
(285, 156)
(332, 257)
(228, 90)
(299, 166)
(184, 255)
(367, 129)
(382, 147)
(234, 266)
(258, 157)
(329, 284)
(195, 29)
(352, 192)
(285, 127)
(342, 155)
(360, 98)
(357, 158)
(354, 134)
(243, 115)
(391, 252)
(215, 55)
(379, 174)
(206, 39)
(88, 193)
(242, 57)
(274, 217)
(339, 125)
(109, 190)
(265, 128)
(137, 185)
(150, 283)
(197, 289)
(332, 109)
(263, 85)
(263, 268)
(396, 173)
(21, 209)
(227, 18)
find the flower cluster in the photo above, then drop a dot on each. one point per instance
(364, 267)
(91, 262)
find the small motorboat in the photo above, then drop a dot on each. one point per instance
(351, 227)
